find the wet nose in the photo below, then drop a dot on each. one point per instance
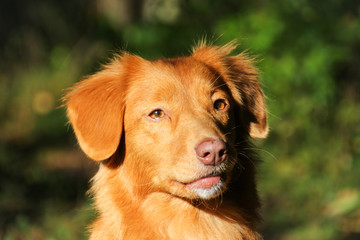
(211, 152)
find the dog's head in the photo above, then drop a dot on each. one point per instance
(180, 120)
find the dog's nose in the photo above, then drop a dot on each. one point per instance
(211, 152)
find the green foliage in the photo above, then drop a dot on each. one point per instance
(308, 54)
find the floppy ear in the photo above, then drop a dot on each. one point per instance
(95, 107)
(242, 78)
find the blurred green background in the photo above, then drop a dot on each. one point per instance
(308, 52)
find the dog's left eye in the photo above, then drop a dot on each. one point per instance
(157, 114)
(220, 104)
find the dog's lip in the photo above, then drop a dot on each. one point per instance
(206, 181)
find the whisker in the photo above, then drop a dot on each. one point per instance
(232, 129)
(264, 151)
(218, 86)
(220, 75)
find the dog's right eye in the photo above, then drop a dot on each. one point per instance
(220, 104)
(157, 114)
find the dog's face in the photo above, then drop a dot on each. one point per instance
(180, 119)
(176, 113)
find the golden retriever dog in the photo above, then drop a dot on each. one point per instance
(171, 139)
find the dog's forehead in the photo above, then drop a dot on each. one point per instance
(179, 79)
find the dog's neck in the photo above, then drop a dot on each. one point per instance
(159, 215)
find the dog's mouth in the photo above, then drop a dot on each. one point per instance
(206, 182)
(207, 185)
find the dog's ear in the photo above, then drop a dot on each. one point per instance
(95, 107)
(244, 78)
(241, 76)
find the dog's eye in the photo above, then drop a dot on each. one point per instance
(157, 114)
(220, 104)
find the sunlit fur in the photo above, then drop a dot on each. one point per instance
(147, 163)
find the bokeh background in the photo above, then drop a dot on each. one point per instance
(308, 53)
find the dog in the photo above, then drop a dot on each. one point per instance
(172, 140)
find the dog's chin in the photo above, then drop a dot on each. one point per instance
(208, 193)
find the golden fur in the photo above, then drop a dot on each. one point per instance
(147, 161)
